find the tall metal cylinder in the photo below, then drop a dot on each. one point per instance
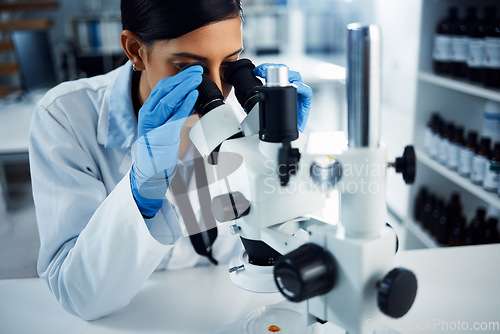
(363, 85)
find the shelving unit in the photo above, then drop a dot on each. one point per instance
(97, 41)
(456, 100)
(489, 198)
(460, 86)
(28, 5)
(11, 21)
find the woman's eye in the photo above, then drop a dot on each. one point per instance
(180, 66)
(225, 64)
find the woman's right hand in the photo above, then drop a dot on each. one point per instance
(160, 121)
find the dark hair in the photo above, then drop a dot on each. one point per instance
(168, 19)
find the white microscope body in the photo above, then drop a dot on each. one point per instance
(342, 273)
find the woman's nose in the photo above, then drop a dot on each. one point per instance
(215, 76)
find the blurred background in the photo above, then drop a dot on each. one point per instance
(43, 43)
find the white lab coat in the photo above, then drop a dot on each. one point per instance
(96, 249)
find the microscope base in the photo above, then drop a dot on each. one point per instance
(251, 277)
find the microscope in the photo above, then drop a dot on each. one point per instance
(342, 273)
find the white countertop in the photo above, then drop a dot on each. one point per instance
(458, 285)
(15, 119)
(196, 300)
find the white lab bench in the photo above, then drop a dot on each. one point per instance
(456, 287)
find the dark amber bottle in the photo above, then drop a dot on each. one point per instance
(427, 212)
(436, 215)
(460, 44)
(446, 142)
(467, 154)
(418, 209)
(477, 228)
(491, 178)
(454, 208)
(442, 42)
(429, 131)
(491, 76)
(458, 232)
(443, 228)
(491, 235)
(475, 58)
(480, 160)
(457, 141)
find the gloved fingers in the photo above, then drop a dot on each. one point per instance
(304, 100)
(170, 104)
(169, 132)
(303, 90)
(189, 78)
(303, 114)
(294, 77)
(185, 108)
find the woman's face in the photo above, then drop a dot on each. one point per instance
(216, 45)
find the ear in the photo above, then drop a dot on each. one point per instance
(134, 49)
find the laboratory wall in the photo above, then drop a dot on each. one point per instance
(309, 36)
(399, 22)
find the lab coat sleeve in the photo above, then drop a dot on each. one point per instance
(96, 250)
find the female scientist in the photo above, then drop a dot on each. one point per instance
(104, 150)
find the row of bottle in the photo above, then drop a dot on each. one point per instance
(468, 47)
(472, 157)
(447, 224)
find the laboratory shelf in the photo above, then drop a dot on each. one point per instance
(456, 100)
(460, 86)
(420, 234)
(491, 198)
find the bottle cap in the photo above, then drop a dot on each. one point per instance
(481, 211)
(472, 136)
(485, 142)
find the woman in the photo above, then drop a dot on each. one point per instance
(104, 150)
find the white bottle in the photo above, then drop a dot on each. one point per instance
(491, 121)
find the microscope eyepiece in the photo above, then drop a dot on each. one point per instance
(210, 96)
(240, 75)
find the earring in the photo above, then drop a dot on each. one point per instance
(133, 67)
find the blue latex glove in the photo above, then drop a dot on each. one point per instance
(159, 125)
(304, 93)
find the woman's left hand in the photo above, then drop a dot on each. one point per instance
(304, 93)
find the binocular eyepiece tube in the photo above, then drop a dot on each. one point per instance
(238, 74)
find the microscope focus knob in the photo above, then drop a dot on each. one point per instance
(304, 273)
(396, 292)
(406, 165)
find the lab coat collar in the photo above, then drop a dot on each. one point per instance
(117, 121)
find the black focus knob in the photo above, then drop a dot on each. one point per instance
(306, 272)
(407, 165)
(396, 292)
